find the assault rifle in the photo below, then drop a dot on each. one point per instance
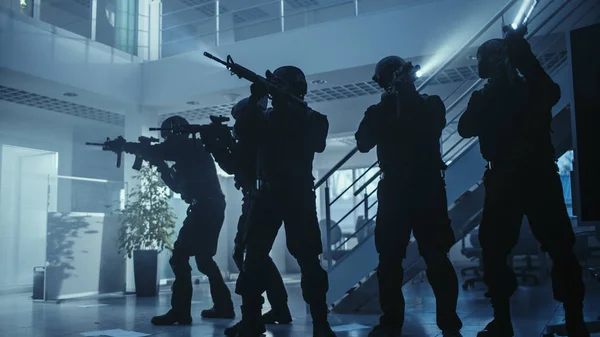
(274, 85)
(213, 134)
(117, 146)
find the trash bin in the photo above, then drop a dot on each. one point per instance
(38, 283)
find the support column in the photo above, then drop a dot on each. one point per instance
(93, 15)
(126, 25)
(137, 123)
(226, 33)
(282, 14)
(154, 30)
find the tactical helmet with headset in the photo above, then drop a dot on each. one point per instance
(489, 57)
(172, 122)
(294, 78)
(392, 69)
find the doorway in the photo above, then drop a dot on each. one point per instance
(26, 179)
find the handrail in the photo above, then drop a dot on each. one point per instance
(336, 167)
(365, 199)
(362, 227)
(367, 182)
(457, 150)
(478, 81)
(191, 7)
(435, 73)
(215, 16)
(353, 183)
(208, 19)
(469, 42)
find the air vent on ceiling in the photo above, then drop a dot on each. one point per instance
(450, 75)
(52, 104)
(296, 4)
(86, 3)
(201, 114)
(249, 15)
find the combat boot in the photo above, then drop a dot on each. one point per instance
(279, 316)
(497, 329)
(171, 318)
(233, 330)
(250, 329)
(575, 322)
(216, 312)
(386, 331)
(501, 326)
(322, 329)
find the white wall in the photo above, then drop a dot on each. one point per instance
(39, 49)
(33, 128)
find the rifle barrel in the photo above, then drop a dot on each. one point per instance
(94, 144)
(214, 58)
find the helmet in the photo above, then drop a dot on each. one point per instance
(386, 68)
(489, 57)
(240, 106)
(172, 122)
(294, 78)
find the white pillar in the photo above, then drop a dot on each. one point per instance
(143, 28)
(282, 14)
(137, 123)
(94, 14)
(37, 4)
(226, 33)
(153, 25)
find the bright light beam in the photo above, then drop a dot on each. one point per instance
(521, 13)
(530, 11)
(419, 73)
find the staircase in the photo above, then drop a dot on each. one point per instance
(353, 285)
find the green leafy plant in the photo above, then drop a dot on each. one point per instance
(147, 220)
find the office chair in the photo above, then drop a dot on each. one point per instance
(527, 247)
(363, 231)
(472, 253)
(336, 238)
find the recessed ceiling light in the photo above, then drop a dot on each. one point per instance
(193, 103)
(70, 94)
(318, 81)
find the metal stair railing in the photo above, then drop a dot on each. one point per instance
(455, 150)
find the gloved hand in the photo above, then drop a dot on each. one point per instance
(258, 91)
(238, 256)
(518, 49)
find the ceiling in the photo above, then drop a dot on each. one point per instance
(343, 95)
(187, 21)
(351, 90)
(24, 89)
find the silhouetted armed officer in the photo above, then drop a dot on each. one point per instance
(194, 177)
(406, 128)
(239, 159)
(511, 116)
(287, 137)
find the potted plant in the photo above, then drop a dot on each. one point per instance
(147, 224)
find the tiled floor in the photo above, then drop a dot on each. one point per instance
(533, 309)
